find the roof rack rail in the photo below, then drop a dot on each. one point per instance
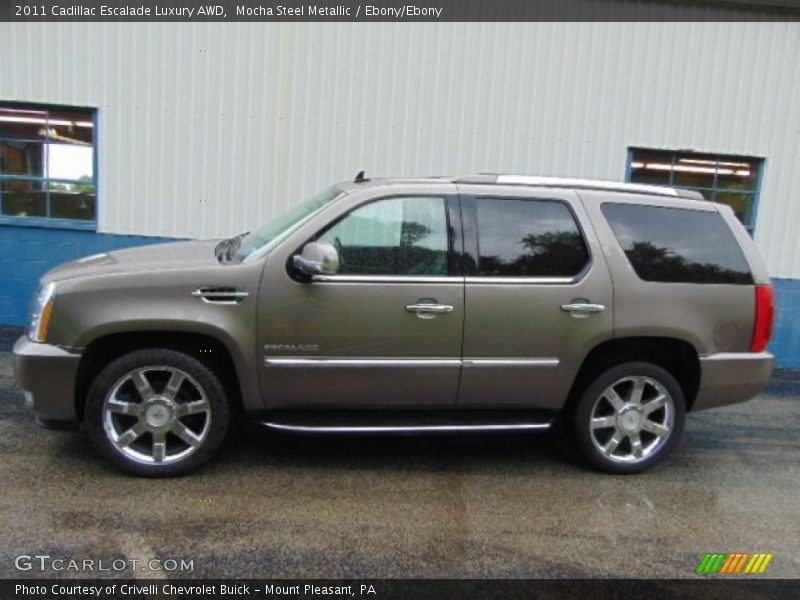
(589, 184)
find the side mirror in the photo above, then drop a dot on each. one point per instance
(317, 258)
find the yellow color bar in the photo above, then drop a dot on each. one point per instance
(764, 564)
(758, 563)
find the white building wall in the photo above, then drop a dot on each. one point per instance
(209, 129)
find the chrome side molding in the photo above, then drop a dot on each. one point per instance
(362, 362)
(287, 361)
(510, 362)
(382, 429)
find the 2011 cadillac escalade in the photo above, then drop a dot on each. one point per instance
(477, 303)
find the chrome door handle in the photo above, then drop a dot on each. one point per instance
(583, 308)
(429, 308)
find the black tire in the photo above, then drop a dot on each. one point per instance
(200, 385)
(586, 439)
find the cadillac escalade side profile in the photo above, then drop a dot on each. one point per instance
(473, 303)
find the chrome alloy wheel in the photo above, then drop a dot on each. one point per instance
(632, 419)
(157, 415)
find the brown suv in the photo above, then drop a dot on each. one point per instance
(478, 303)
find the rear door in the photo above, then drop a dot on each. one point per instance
(538, 296)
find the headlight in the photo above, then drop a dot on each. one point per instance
(41, 309)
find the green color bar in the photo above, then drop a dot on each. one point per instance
(702, 567)
(711, 562)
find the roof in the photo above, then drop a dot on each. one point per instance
(573, 183)
(534, 181)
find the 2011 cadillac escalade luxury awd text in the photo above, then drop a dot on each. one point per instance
(478, 303)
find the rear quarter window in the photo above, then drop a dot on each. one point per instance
(676, 245)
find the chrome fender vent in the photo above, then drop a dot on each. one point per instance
(220, 295)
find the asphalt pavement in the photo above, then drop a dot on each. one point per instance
(499, 506)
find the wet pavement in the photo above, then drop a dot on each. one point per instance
(493, 506)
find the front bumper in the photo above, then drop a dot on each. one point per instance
(47, 375)
(731, 377)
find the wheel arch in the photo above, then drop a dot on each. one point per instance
(209, 349)
(677, 356)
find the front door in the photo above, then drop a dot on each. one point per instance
(385, 331)
(538, 297)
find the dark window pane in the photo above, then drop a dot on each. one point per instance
(73, 205)
(694, 170)
(23, 124)
(737, 175)
(678, 245)
(71, 126)
(651, 167)
(22, 158)
(528, 238)
(740, 203)
(396, 236)
(23, 199)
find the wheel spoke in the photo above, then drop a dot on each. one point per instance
(131, 435)
(613, 397)
(124, 408)
(142, 385)
(636, 445)
(191, 408)
(653, 405)
(655, 428)
(159, 446)
(613, 443)
(174, 385)
(635, 396)
(186, 434)
(603, 422)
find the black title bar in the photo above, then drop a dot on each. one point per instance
(730, 588)
(397, 10)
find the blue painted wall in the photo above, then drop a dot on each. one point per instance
(786, 337)
(26, 253)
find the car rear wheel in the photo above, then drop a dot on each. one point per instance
(156, 413)
(629, 417)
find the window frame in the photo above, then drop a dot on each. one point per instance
(454, 245)
(471, 260)
(758, 161)
(54, 222)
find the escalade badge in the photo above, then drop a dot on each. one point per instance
(291, 347)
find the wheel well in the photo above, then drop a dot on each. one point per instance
(207, 349)
(676, 356)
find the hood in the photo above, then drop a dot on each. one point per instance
(156, 257)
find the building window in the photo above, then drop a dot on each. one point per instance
(47, 166)
(731, 180)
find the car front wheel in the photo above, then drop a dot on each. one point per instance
(156, 413)
(629, 417)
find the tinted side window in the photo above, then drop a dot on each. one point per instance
(395, 236)
(528, 238)
(678, 245)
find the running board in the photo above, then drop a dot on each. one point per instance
(354, 422)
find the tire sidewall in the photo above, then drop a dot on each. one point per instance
(583, 410)
(94, 426)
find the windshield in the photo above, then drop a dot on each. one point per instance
(265, 237)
